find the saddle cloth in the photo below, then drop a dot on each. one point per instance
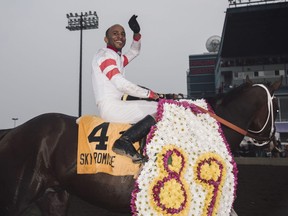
(94, 154)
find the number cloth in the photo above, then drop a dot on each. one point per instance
(95, 140)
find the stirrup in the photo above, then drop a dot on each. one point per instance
(124, 147)
(139, 161)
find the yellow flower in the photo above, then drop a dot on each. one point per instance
(171, 194)
(176, 164)
(210, 167)
(210, 171)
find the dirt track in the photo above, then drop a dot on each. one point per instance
(262, 191)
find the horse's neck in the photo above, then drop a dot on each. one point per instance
(240, 110)
(239, 114)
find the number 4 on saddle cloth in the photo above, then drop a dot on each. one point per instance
(95, 141)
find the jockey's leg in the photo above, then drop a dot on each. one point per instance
(142, 143)
(124, 145)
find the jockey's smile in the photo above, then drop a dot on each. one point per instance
(116, 37)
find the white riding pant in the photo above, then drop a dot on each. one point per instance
(126, 111)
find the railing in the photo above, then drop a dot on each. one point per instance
(240, 3)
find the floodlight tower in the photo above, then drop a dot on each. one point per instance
(83, 21)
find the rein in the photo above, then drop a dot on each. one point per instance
(249, 133)
(224, 122)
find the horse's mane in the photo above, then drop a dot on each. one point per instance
(224, 98)
(233, 93)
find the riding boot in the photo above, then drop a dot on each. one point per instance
(124, 145)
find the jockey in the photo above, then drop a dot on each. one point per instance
(109, 85)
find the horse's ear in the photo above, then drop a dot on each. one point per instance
(277, 84)
(248, 80)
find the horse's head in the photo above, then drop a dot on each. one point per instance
(248, 110)
(262, 127)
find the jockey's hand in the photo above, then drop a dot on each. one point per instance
(153, 95)
(171, 96)
(156, 97)
(134, 25)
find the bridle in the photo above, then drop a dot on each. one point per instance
(270, 113)
(251, 133)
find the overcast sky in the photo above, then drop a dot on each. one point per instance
(39, 70)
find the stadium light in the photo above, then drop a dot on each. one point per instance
(81, 22)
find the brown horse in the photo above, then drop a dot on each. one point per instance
(38, 158)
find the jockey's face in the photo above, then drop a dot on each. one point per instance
(116, 37)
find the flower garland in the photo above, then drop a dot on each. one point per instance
(190, 165)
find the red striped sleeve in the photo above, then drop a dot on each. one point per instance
(112, 73)
(107, 63)
(151, 94)
(125, 62)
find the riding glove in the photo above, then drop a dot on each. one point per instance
(134, 25)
